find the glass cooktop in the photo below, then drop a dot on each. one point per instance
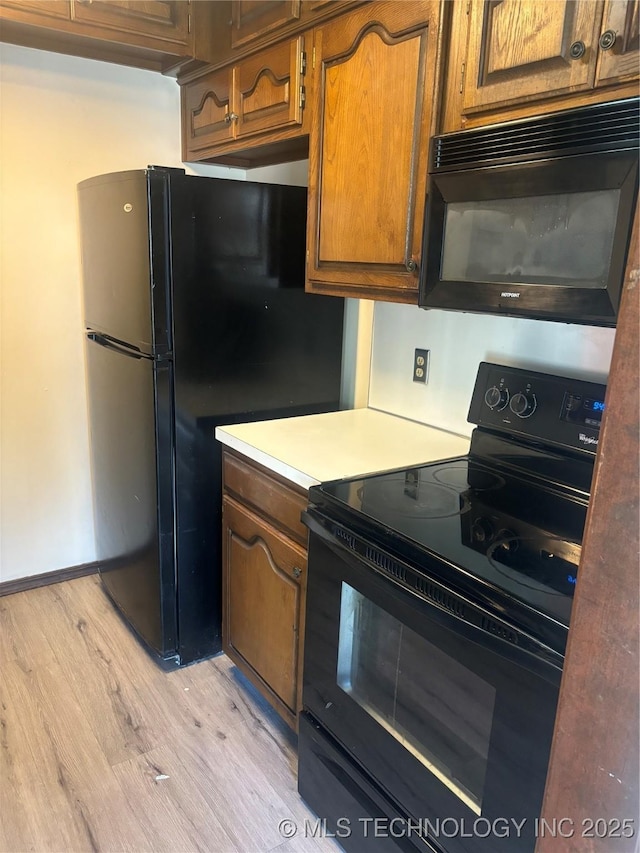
(510, 541)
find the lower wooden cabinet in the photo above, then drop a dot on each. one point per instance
(264, 580)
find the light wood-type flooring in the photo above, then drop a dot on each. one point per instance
(100, 749)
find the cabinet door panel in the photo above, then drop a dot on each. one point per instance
(262, 600)
(267, 93)
(46, 8)
(522, 50)
(621, 61)
(161, 19)
(370, 239)
(373, 107)
(205, 111)
(255, 18)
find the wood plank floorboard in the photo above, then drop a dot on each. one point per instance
(102, 750)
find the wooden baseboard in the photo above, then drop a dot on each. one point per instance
(33, 581)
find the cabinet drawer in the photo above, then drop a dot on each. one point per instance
(266, 492)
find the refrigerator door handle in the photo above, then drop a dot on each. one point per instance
(109, 343)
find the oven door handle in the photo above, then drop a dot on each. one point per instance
(493, 633)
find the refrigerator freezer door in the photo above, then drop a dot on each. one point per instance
(117, 266)
(131, 453)
(247, 338)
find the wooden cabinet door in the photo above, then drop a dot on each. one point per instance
(374, 101)
(522, 50)
(252, 19)
(619, 54)
(268, 91)
(167, 20)
(263, 581)
(47, 8)
(206, 117)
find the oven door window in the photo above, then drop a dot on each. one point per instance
(564, 239)
(433, 705)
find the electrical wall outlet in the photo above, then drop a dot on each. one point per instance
(421, 365)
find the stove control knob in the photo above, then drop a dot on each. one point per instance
(507, 541)
(523, 404)
(496, 398)
(482, 530)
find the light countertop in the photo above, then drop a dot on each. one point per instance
(314, 449)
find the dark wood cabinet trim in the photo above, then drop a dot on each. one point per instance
(593, 772)
(57, 576)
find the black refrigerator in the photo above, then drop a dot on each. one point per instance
(195, 315)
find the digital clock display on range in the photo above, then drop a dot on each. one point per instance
(585, 411)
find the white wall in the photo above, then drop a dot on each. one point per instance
(458, 343)
(62, 119)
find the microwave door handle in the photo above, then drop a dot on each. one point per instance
(532, 655)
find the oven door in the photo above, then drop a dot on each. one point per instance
(452, 720)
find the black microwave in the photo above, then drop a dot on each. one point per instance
(532, 218)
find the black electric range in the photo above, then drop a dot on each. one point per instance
(438, 607)
(503, 524)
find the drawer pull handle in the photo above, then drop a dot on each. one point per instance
(296, 572)
(577, 50)
(607, 39)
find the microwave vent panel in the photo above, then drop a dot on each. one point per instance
(613, 126)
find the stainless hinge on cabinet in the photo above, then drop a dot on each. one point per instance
(302, 97)
(462, 70)
(303, 63)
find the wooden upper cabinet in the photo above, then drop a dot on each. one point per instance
(260, 101)
(206, 119)
(375, 87)
(619, 54)
(155, 34)
(519, 50)
(45, 8)
(268, 92)
(252, 19)
(512, 58)
(166, 20)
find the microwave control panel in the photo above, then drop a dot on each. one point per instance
(546, 408)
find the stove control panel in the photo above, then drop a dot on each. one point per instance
(543, 407)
